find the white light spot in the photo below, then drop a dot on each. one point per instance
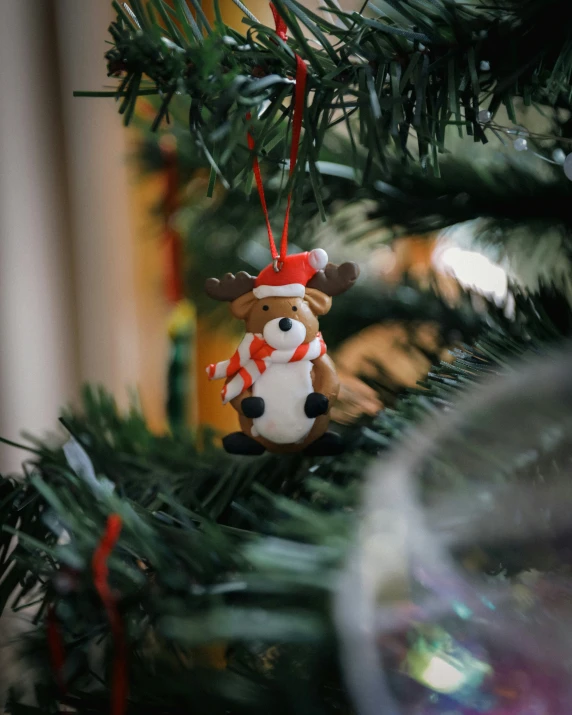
(473, 271)
(442, 676)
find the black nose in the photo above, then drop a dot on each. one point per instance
(285, 324)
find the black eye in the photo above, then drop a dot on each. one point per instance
(264, 307)
(294, 308)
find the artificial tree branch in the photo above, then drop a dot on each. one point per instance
(405, 67)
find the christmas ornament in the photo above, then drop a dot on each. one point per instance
(424, 627)
(182, 319)
(520, 144)
(568, 166)
(442, 664)
(182, 329)
(484, 116)
(280, 380)
(558, 156)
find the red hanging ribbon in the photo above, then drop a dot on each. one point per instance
(301, 74)
(100, 571)
(299, 101)
(281, 29)
(56, 647)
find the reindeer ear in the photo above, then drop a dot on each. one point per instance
(319, 302)
(241, 307)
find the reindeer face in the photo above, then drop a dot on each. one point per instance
(285, 323)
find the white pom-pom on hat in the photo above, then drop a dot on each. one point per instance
(318, 258)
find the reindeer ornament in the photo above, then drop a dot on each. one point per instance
(280, 380)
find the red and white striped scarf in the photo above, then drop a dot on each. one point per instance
(253, 356)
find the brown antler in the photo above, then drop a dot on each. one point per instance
(334, 280)
(230, 287)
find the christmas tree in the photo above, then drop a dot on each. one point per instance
(426, 569)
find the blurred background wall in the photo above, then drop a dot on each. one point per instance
(80, 269)
(67, 276)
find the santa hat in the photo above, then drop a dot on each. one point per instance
(295, 272)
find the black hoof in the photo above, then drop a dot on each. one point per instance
(252, 407)
(328, 445)
(240, 443)
(316, 404)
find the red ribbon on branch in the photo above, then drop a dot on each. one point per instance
(281, 29)
(299, 103)
(56, 647)
(100, 570)
(173, 248)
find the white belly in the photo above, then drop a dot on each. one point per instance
(284, 388)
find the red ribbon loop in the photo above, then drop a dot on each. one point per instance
(100, 571)
(281, 29)
(301, 74)
(299, 102)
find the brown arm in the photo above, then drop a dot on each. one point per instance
(325, 379)
(236, 402)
